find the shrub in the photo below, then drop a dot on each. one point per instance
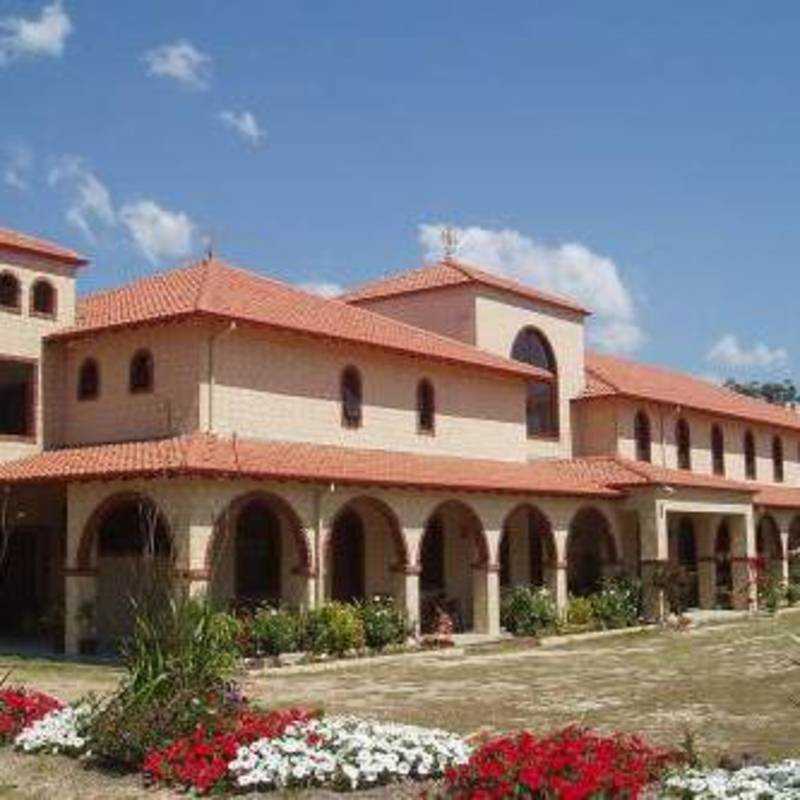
(178, 662)
(618, 603)
(20, 708)
(674, 580)
(792, 594)
(573, 763)
(528, 610)
(771, 592)
(383, 623)
(275, 631)
(580, 611)
(334, 628)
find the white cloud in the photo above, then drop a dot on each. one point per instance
(90, 203)
(19, 160)
(569, 269)
(158, 232)
(727, 351)
(322, 288)
(245, 125)
(181, 61)
(44, 35)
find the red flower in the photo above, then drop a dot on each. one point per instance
(20, 708)
(200, 761)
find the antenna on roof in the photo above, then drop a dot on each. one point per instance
(449, 243)
(208, 246)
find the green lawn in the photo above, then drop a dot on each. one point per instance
(732, 685)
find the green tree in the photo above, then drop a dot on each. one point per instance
(781, 393)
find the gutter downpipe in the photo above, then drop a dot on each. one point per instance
(212, 340)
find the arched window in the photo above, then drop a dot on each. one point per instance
(749, 455)
(777, 459)
(717, 450)
(641, 433)
(43, 298)
(426, 407)
(352, 398)
(141, 372)
(541, 402)
(9, 292)
(89, 380)
(683, 439)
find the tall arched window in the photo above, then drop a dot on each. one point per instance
(9, 292)
(717, 450)
(426, 407)
(683, 440)
(541, 402)
(777, 459)
(352, 398)
(43, 298)
(89, 380)
(641, 433)
(141, 372)
(749, 455)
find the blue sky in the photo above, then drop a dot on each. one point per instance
(641, 156)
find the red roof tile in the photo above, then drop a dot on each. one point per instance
(21, 242)
(452, 273)
(778, 496)
(213, 289)
(610, 375)
(212, 456)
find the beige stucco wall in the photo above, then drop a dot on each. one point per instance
(500, 316)
(21, 333)
(449, 311)
(117, 415)
(663, 420)
(275, 386)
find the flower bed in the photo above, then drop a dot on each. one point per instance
(61, 731)
(573, 764)
(773, 782)
(20, 708)
(200, 761)
(347, 753)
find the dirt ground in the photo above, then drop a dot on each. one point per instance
(736, 687)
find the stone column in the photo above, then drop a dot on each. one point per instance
(561, 588)
(743, 553)
(486, 599)
(407, 594)
(80, 595)
(654, 558)
(784, 524)
(705, 528)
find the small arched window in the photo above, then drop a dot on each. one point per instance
(777, 459)
(426, 407)
(541, 401)
(641, 433)
(141, 372)
(352, 398)
(43, 298)
(89, 380)
(717, 450)
(749, 456)
(9, 292)
(683, 439)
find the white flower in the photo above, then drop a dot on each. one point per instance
(346, 753)
(779, 781)
(60, 731)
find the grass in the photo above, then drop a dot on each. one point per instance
(731, 684)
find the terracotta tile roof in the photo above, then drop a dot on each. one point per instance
(778, 496)
(21, 242)
(206, 455)
(610, 375)
(213, 289)
(212, 456)
(452, 273)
